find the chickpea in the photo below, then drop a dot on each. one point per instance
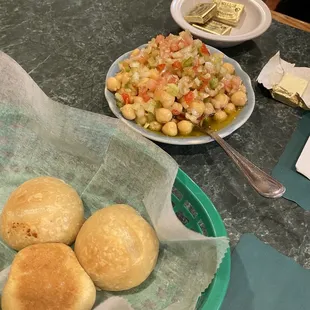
(141, 120)
(128, 112)
(229, 67)
(176, 108)
(209, 110)
(220, 116)
(216, 104)
(166, 99)
(138, 99)
(155, 126)
(230, 108)
(185, 127)
(113, 84)
(163, 115)
(170, 129)
(239, 98)
(196, 108)
(140, 112)
(222, 99)
(119, 76)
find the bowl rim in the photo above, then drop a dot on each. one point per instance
(224, 132)
(263, 26)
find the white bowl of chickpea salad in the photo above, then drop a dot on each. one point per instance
(166, 87)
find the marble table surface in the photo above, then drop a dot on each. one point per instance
(67, 48)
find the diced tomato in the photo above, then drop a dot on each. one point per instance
(174, 47)
(143, 93)
(187, 37)
(202, 86)
(189, 97)
(126, 98)
(205, 82)
(161, 67)
(145, 97)
(173, 79)
(177, 65)
(142, 59)
(159, 39)
(151, 84)
(181, 44)
(175, 112)
(195, 68)
(227, 85)
(204, 50)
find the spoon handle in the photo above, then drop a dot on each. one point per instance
(264, 184)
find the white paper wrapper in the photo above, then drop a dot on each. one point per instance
(106, 163)
(275, 69)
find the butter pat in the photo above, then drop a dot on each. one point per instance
(293, 84)
(303, 162)
(201, 13)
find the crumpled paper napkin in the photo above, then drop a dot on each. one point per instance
(106, 163)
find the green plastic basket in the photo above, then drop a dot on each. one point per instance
(198, 213)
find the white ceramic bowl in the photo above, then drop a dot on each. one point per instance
(235, 124)
(255, 20)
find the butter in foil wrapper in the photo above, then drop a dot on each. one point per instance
(289, 91)
(201, 13)
(228, 12)
(214, 27)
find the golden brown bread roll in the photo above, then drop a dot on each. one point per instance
(117, 248)
(47, 276)
(43, 209)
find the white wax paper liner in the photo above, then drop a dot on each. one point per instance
(106, 162)
(275, 69)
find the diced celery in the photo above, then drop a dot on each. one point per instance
(187, 62)
(172, 89)
(126, 66)
(150, 117)
(214, 83)
(119, 97)
(119, 104)
(150, 106)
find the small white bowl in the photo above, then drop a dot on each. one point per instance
(254, 21)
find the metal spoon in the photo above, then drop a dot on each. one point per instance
(264, 184)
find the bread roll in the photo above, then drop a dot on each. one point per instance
(117, 248)
(47, 276)
(43, 209)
